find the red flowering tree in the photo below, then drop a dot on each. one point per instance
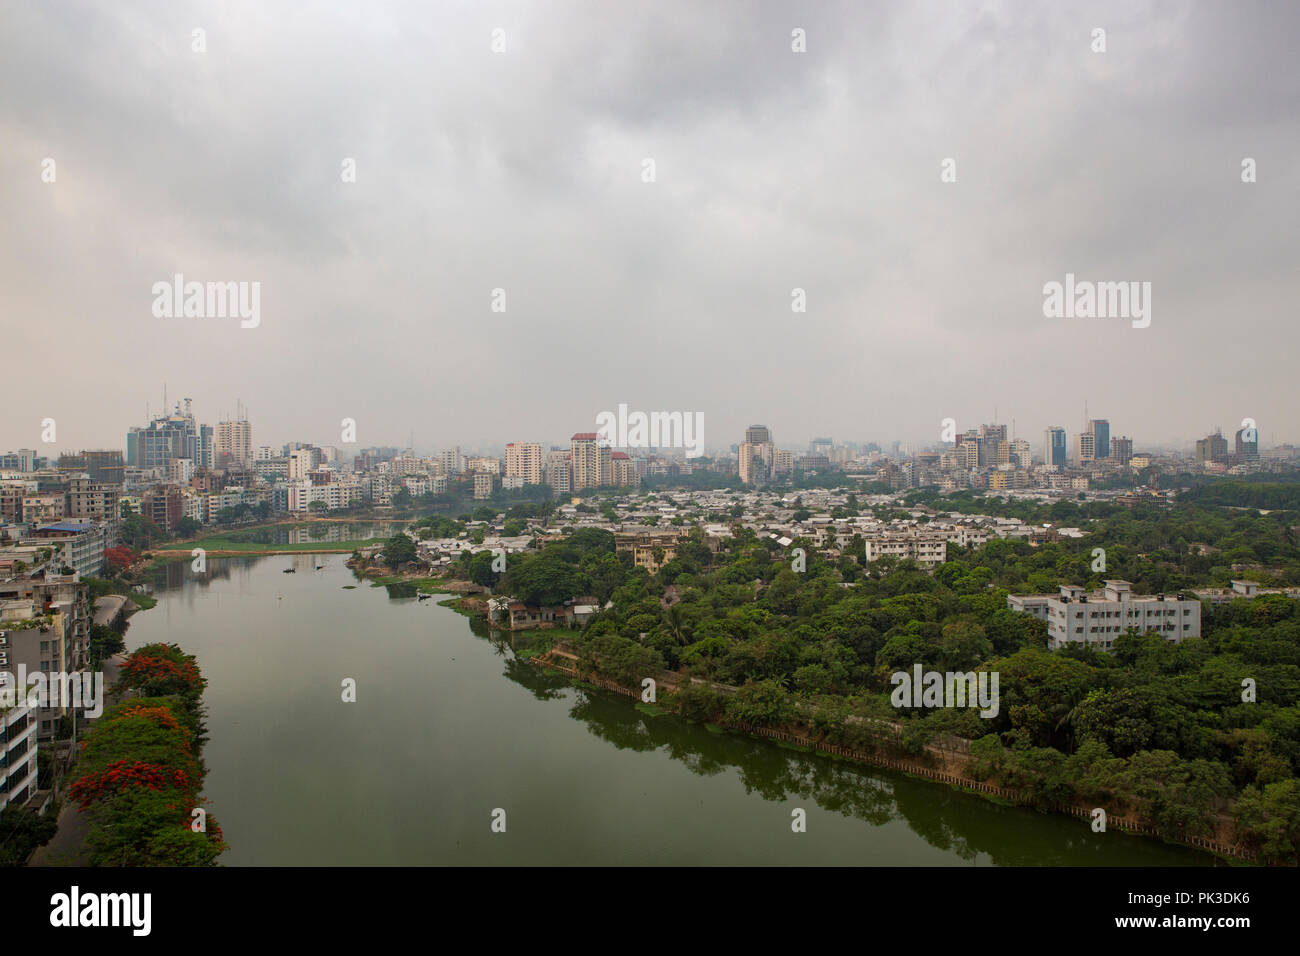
(120, 558)
(140, 779)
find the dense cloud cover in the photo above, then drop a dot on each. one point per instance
(522, 170)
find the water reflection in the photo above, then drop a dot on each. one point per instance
(966, 826)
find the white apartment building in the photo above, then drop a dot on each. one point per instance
(302, 461)
(18, 728)
(232, 443)
(453, 463)
(927, 548)
(335, 494)
(1097, 619)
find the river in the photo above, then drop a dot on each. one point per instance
(448, 727)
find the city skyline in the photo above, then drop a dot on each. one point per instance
(716, 442)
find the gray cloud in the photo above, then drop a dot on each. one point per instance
(522, 171)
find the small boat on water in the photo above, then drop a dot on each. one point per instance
(289, 571)
(423, 597)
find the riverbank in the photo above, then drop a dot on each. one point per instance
(953, 772)
(948, 764)
(233, 541)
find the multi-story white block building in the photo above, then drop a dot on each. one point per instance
(926, 548)
(18, 765)
(1097, 619)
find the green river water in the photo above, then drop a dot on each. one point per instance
(448, 727)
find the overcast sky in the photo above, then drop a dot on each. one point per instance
(523, 170)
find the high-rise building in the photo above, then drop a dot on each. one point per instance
(1212, 447)
(1247, 450)
(233, 445)
(453, 462)
(166, 437)
(1100, 429)
(757, 455)
(1085, 447)
(592, 461)
(624, 470)
(524, 461)
(559, 475)
(206, 452)
(989, 439)
(1054, 446)
(302, 461)
(1021, 454)
(1121, 450)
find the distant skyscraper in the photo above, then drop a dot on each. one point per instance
(1100, 429)
(1212, 447)
(1247, 450)
(757, 455)
(166, 437)
(1054, 446)
(205, 447)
